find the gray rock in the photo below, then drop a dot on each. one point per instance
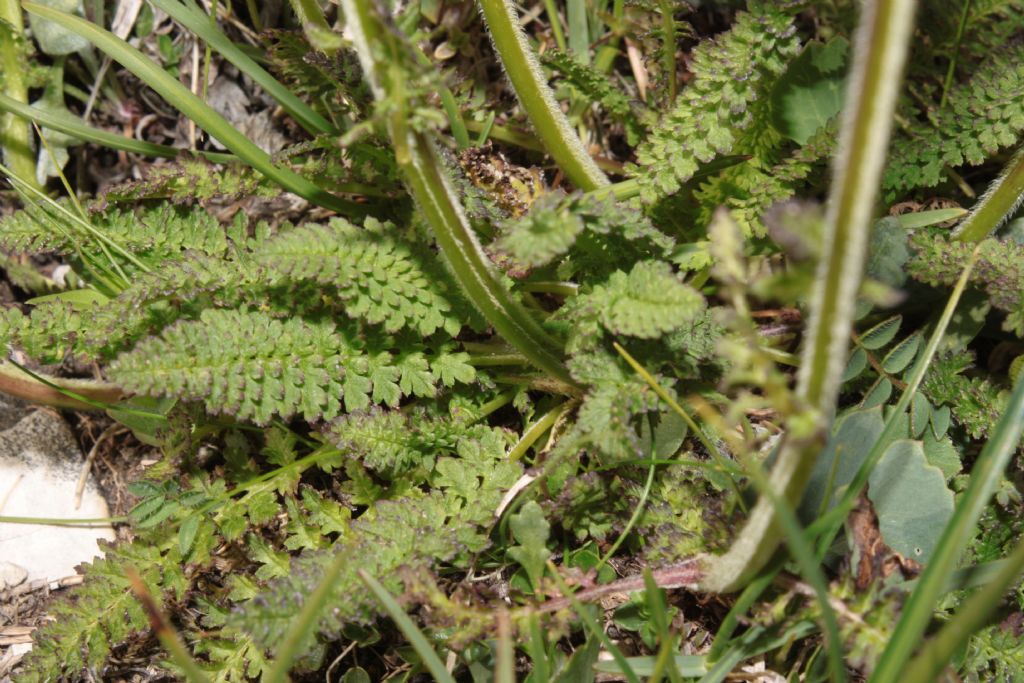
(11, 411)
(39, 468)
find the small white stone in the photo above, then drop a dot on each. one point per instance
(11, 575)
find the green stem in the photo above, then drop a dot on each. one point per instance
(538, 429)
(880, 53)
(999, 202)
(15, 133)
(972, 615)
(61, 521)
(668, 48)
(948, 82)
(985, 477)
(539, 103)
(428, 183)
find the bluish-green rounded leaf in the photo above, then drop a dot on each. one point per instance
(911, 499)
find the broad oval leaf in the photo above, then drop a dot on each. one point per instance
(911, 498)
(187, 534)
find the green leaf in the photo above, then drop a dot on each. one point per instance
(531, 532)
(881, 334)
(810, 92)
(187, 534)
(648, 302)
(878, 394)
(54, 39)
(901, 355)
(453, 368)
(548, 230)
(943, 454)
(911, 499)
(855, 365)
(940, 421)
(920, 414)
(850, 443)
(356, 675)
(262, 507)
(923, 219)
(888, 253)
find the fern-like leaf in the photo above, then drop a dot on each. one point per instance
(999, 270)
(645, 303)
(414, 531)
(151, 234)
(374, 270)
(102, 612)
(253, 366)
(599, 234)
(984, 115)
(729, 73)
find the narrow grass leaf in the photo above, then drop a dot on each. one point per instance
(985, 478)
(595, 630)
(972, 615)
(194, 108)
(411, 632)
(196, 21)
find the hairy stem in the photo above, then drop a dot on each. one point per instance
(1000, 201)
(539, 103)
(385, 58)
(880, 53)
(15, 132)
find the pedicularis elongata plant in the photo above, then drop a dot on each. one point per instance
(451, 369)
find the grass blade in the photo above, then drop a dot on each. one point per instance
(71, 125)
(973, 614)
(300, 627)
(984, 479)
(411, 632)
(197, 22)
(194, 108)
